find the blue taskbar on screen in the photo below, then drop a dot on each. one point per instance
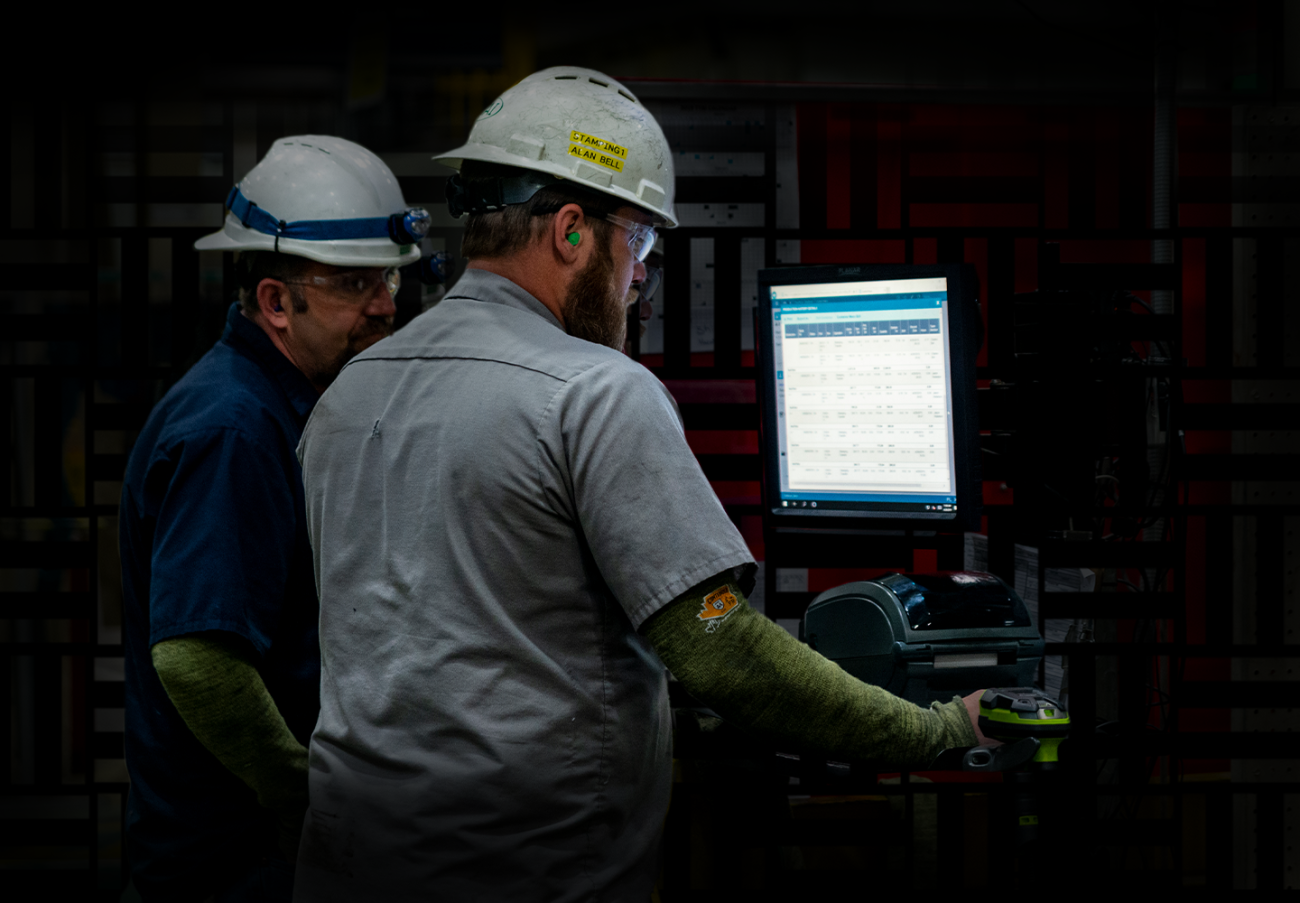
(868, 497)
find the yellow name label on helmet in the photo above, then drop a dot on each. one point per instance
(598, 143)
(597, 150)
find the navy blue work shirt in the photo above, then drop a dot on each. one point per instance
(214, 538)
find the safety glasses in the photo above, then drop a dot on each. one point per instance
(640, 237)
(357, 286)
(650, 284)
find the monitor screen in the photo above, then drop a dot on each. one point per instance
(867, 390)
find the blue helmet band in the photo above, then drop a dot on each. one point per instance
(404, 228)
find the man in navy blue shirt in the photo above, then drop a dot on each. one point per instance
(222, 657)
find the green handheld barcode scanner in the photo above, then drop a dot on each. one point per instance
(1011, 714)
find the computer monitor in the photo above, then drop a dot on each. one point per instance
(867, 375)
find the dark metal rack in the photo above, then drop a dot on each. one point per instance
(1110, 675)
(108, 334)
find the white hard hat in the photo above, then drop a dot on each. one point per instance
(574, 124)
(323, 198)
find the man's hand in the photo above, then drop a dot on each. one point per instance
(973, 709)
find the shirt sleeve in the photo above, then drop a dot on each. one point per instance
(653, 524)
(223, 537)
(758, 677)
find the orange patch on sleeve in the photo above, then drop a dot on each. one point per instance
(718, 604)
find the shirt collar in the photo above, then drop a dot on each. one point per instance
(248, 339)
(480, 285)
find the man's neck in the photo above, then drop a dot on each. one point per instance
(278, 341)
(533, 273)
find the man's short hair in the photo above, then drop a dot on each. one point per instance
(251, 267)
(510, 230)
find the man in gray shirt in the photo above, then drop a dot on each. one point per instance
(512, 539)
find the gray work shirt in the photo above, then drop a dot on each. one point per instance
(495, 507)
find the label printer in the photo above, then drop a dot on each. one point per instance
(927, 637)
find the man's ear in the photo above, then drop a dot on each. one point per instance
(570, 234)
(272, 301)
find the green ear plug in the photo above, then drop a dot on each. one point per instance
(574, 238)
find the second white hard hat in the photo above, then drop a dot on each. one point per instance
(581, 125)
(324, 198)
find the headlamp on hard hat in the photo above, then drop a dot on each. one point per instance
(434, 268)
(409, 227)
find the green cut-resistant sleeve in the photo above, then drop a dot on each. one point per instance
(758, 677)
(224, 702)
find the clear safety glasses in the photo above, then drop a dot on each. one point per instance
(357, 286)
(640, 237)
(650, 284)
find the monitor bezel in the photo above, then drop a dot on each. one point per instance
(964, 336)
